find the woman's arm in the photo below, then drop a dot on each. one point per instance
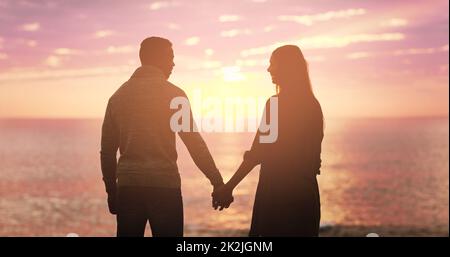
(243, 170)
(223, 196)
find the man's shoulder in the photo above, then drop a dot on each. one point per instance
(175, 90)
(120, 89)
(169, 88)
(117, 94)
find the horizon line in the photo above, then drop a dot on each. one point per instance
(331, 117)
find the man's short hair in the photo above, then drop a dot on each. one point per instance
(153, 49)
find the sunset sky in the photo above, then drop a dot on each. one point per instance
(367, 58)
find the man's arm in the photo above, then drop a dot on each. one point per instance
(200, 154)
(202, 157)
(109, 146)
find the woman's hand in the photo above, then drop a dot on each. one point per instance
(222, 197)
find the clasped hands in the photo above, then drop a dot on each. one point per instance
(222, 196)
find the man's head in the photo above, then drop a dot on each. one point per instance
(157, 51)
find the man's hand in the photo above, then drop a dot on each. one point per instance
(112, 202)
(222, 197)
(215, 203)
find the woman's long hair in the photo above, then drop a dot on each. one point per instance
(294, 73)
(293, 80)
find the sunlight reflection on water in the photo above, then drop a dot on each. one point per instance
(378, 172)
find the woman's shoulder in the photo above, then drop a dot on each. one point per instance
(271, 100)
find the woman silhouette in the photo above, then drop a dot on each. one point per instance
(287, 201)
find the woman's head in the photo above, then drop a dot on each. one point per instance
(289, 70)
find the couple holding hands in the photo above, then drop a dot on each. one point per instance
(144, 184)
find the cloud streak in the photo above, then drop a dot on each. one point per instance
(235, 32)
(162, 5)
(173, 26)
(31, 27)
(400, 52)
(125, 49)
(50, 74)
(309, 20)
(103, 33)
(324, 42)
(395, 22)
(67, 51)
(229, 18)
(53, 61)
(191, 41)
(414, 51)
(209, 52)
(359, 55)
(31, 43)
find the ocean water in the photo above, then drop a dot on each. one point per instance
(376, 172)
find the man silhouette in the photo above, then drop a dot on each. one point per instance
(144, 185)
